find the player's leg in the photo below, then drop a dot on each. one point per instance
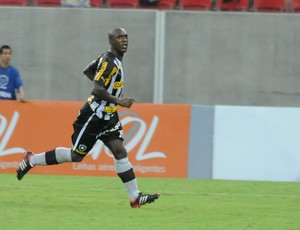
(113, 139)
(123, 167)
(125, 172)
(82, 140)
(58, 155)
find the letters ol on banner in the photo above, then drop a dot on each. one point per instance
(155, 136)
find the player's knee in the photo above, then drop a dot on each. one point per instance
(120, 153)
(77, 157)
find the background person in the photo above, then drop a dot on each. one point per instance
(10, 79)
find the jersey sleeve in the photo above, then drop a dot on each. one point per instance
(93, 65)
(107, 69)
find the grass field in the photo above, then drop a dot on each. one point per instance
(72, 202)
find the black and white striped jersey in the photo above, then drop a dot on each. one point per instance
(110, 71)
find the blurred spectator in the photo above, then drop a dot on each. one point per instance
(75, 3)
(288, 5)
(10, 80)
(149, 2)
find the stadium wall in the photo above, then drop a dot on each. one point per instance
(52, 46)
(232, 58)
(196, 57)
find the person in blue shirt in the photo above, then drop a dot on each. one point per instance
(10, 79)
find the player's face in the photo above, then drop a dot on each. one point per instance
(5, 56)
(120, 41)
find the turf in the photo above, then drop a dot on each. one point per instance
(73, 202)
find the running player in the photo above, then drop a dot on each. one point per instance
(98, 119)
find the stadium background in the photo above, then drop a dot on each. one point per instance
(175, 57)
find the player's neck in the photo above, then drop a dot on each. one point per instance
(117, 54)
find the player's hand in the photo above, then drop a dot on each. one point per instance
(125, 102)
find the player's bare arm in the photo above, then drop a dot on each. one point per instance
(100, 92)
(126, 102)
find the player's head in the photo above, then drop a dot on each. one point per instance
(5, 54)
(118, 40)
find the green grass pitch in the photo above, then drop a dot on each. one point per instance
(75, 202)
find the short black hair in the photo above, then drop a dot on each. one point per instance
(112, 33)
(4, 47)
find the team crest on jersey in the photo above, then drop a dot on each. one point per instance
(82, 147)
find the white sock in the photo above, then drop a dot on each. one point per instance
(125, 172)
(60, 155)
(38, 159)
(132, 189)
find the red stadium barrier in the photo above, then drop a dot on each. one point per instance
(156, 137)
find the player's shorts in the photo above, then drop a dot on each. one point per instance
(88, 128)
